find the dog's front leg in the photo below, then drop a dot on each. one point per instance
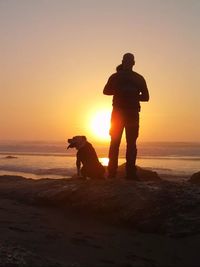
(78, 167)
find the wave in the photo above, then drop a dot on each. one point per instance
(144, 148)
(63, 172)
(67, 154)
(42, 166)
(171, 157)
(12, 156)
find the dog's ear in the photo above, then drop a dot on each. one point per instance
(84, 138)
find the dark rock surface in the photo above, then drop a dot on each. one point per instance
(160, 206)
(143, 174)
(195, 178)
(15, 256)
(10, 157)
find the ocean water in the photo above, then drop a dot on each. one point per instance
(47, 160)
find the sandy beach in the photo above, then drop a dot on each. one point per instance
(90, 223)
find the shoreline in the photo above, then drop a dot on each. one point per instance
(53, 166)
(166, 177)
(66, 173)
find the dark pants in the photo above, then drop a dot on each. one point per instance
(120, 119)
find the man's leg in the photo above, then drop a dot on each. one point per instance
(132, 129)
(116, 131)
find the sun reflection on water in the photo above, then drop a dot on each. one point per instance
(104, 161)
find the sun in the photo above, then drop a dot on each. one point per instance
(100, 125)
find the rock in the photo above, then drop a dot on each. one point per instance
(147, 175)
(164, 207)
(195, 178)
(10, 157)
(14, 256)
(143, 174)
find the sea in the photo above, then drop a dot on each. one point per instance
(39, 160)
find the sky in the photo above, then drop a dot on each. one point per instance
(57, 55)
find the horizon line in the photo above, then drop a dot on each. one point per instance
(93, 141)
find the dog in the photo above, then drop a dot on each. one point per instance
(87, 157)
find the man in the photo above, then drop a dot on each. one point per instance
(128, 89)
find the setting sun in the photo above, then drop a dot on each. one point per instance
(100, 125)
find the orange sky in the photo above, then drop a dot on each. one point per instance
(56, 57)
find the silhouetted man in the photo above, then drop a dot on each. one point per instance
(128, 89)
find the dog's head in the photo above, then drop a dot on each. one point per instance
(77, 141)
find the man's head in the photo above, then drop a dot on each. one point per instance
(128, 61)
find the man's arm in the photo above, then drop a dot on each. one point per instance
(109, 88)
(144, 93)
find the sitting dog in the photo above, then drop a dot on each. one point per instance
(86, 155)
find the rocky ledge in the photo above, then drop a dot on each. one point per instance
(195, 178)
(152, 205)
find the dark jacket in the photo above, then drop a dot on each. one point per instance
(128, 89)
